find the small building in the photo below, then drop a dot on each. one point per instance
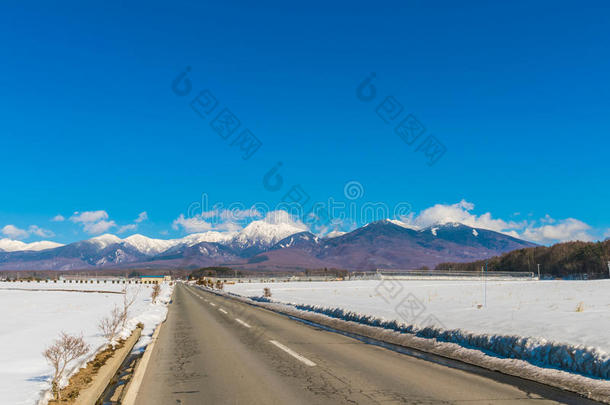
(154, 279)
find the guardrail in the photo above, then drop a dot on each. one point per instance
(454, 275)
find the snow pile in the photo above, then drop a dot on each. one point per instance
(33, 319)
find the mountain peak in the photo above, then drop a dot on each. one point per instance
(10, 245)
(209, 236)
(105, 240)
(265, 233)
(147, 245)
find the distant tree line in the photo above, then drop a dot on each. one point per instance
(221, 271)
(569, 259)
(214, 271)
(326, 272)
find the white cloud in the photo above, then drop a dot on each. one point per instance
(192, 224)
(282, 217)
(230, 214)
(15, 233)
(143, 216)
(58, 218)
(223, 220)
(89, 216)
(459, 212)
(45, 233)
(546, 230)
(95, 228)
(93, 222)
(561, 231)
(125, 228)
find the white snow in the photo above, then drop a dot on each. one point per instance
(148, 246)
(105, 240)
(265, 233)
(475, 233)
(151, 247)
(210, 236)
(404, 224)
(10, 245)
(32, 320)
(546, 311)
(334, 234)
(433, 231)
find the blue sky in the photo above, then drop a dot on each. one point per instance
(517, 95)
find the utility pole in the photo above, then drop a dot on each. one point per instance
(538, 271)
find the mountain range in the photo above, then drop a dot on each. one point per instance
(270, 246)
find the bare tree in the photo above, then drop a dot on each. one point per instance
(129, 298)
(61, 353)
(110, 325)
(155, 292)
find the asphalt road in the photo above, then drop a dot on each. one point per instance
(213, 350)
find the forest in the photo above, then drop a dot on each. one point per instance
(565, 260)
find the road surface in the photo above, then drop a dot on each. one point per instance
(213, 350)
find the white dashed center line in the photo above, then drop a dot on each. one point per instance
(242, 323)
(223, 311)
(212, 304)
(293, 353)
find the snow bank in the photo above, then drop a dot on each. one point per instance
(32, 320)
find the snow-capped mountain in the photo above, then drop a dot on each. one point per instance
(301, 240)
(260, 235)
(148, 246)
(105, 240)
(210, 236)
(276, 244)
(10, 245)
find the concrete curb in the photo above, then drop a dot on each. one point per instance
(133, 387)
(91, 394)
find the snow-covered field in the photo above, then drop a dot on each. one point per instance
(32, 320)
(572, 312)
